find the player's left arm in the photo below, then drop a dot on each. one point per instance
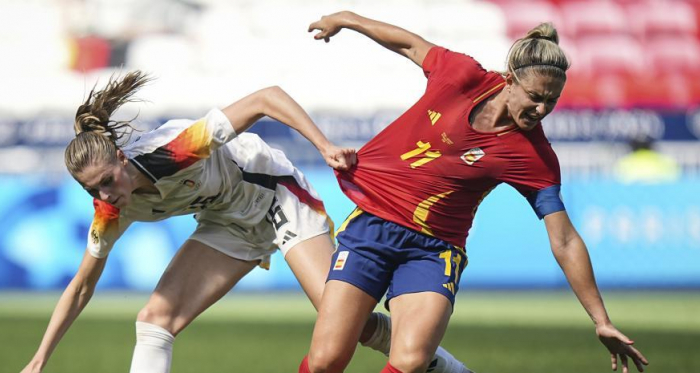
(571, 254)
(277, 104)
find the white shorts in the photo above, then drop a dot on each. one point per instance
(296, 214)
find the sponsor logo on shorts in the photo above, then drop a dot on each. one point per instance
(472, 155)
(288, 235)
(450, 286)
(340, 260)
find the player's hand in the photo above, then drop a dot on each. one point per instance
(620, 346)
(328, 26)
(341, 159)
(34, 366)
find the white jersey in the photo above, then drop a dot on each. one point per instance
(198, 167)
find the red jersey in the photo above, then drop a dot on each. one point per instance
(429, 169)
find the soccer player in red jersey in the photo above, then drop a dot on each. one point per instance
(418, 184)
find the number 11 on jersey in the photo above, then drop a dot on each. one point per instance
(423, 147)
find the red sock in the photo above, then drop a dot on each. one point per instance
(389, 369)
(304, 366)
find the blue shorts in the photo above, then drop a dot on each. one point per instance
(379, 256)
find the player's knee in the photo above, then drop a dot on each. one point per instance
(159, 316)
(410, 362)
(328, 360)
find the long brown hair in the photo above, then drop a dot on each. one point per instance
(97, 137)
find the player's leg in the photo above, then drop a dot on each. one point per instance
(305, 259)
(354, 279)
(310, 260)
(309, 263)
(421, 297)
(196, 277)
(303, 235)
(419, 322)
(338, 327)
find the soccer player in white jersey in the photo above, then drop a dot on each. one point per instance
(248, 200)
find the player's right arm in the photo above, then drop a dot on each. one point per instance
(394, 38)
(74, 299)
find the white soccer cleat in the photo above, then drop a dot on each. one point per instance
(444, 362)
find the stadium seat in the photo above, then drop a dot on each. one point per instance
(611, 91)
(579, 92)
(465, 19)
(522, 16)
(40, 36)
(668, 54)
(490, 52)
(694, 85)
(612, 64)
(224, 40)
(410, 17)
(92, 52)
(612, 54)
(160, 53)
(624, 91)
(654, 18)
(586, 18)
(668, 91)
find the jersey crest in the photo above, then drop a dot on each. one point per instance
(472, 155)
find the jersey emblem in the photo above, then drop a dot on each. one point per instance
(434, 116)
(341, 260)
(446, 139)
(190, 183)
(472, 155)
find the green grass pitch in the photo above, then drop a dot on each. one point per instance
(493, 332)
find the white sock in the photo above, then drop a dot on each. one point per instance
(381, 338)
(444, 362)
(154, 349)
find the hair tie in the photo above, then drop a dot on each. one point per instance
(537, 64)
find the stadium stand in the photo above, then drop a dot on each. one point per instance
(590, 18)
(522, 16)
(626, 55)
(649, 19)
(620, 41)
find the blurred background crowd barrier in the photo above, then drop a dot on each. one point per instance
(627, 128)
